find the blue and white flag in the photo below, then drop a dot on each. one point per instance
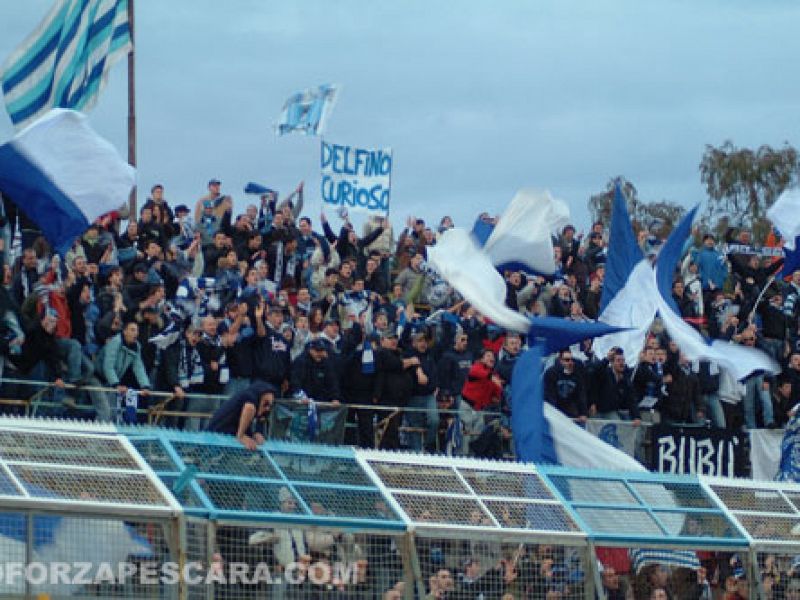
(65, 62)
(641, 557)
(307, 111)
(785, 216)
(543, 434)
(521, 240)
(63, 175)
(623, 251)
(739, 360)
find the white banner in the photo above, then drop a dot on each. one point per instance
(355, 178)
(765, 453)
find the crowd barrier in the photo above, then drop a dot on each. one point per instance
(673, 449)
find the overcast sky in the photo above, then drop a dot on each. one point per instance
(477, 99)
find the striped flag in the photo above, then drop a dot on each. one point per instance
(65, 61)
(642, 557)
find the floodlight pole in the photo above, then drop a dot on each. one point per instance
(132, 108)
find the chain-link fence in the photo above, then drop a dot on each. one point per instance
(52, 556)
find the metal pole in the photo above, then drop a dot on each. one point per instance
(132, 107)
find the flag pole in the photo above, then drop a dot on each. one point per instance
(132, 108)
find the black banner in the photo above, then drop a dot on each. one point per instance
(697, 451)
(297, 421)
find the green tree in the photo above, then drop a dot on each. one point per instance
(643, 214)
(742, 184)
(600, 204)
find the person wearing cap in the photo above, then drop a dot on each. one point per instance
(313, 375)
(214, 196)
(244, 414)
(394, 379)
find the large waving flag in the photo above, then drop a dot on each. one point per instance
(791, 262)
(785, 216)
(307, 111)
(623, 251)
(465, 267)
(739, 360)
(65, 61)
(460, 262)
(63, 176)
(543, 434)
(522, 237)
(627, 272)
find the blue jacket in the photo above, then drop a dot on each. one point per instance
(712, 267)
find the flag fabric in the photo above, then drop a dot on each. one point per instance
(739, 360)
(633, 309)
(521, 239)
(258, 189)
(669, 257)
(789, 465)
(533, 441)
(642, 557)
(65, 62)
(457, 258)
(622, 302)
(791, 259)
(454, 437)
(63, 175)
(543, 434)
(307, 111)
(623, 251)
(555, 333)
(785, 216)
(765, 452)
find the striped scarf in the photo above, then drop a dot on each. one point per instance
(190, 366)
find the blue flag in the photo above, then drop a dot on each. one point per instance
(623, 251)
(533, 441)
(791, 259)
(555, 333)
(670, 256)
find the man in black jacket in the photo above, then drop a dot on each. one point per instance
(394, 379)
(423, 396)
(648, 380)
(244, 414)
(313, 375)
(358, 382)
(454, 366)
(616, 396)
(565, 388)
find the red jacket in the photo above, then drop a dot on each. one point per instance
(479, 389)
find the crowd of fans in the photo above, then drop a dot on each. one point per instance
(224, 313)
(200, 303)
